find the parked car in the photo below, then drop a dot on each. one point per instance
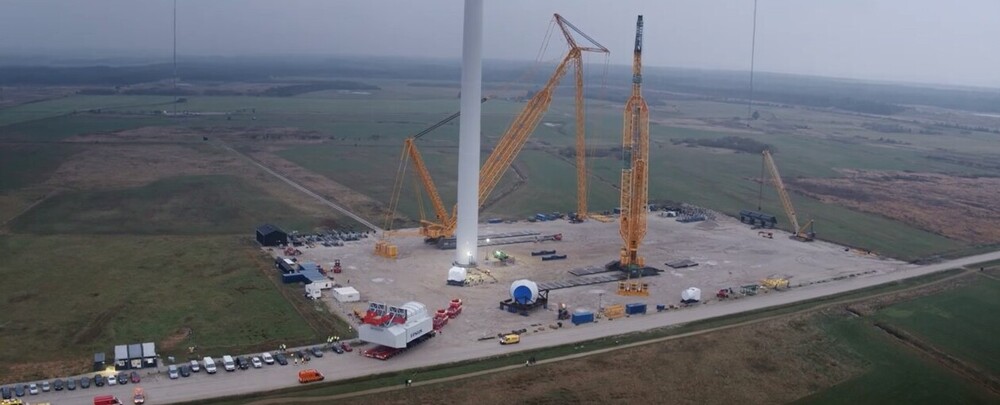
(316, 351)
(71, 384)
(20, 390)
(346, 347)
(58, 384)
(46, 386)
(173, 373)
(33, 389)
(185, 371)
(138, 396)
(302, 354)
(255, 362)
(267, 358)
(112, 380)
(336, 348)
(135, 377)
(195, 366)
(6, 392)
(280, 359)
(242, 363)
(99, 380)
(84, 382)
(122, 378)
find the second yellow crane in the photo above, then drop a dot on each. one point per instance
(635, 177)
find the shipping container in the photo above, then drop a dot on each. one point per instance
(635, 308)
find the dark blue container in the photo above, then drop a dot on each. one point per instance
(635, 308)
(582, 317)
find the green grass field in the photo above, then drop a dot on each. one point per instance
(938, 319)
(190, 205)
(69, 296)
(895, 373)
(24, 165)
(57, 128)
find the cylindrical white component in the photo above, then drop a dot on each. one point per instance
(467, 231)
(524, 292)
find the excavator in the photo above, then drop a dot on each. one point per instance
(802, 233)
(506, 150)
(635, 178)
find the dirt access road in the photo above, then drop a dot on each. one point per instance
(160, 390)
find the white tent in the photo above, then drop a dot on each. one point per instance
(346, 294)
(691, 295)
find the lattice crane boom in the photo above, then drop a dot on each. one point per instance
(800, 232)
(635, 173)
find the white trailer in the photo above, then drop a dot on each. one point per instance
(346, 294)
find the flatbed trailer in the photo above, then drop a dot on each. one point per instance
(386, 352)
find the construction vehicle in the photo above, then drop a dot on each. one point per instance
(506, 150)
(803, 233)
(563, 313)
(336, 266)
(774, 283)
(503, 257)
(395, 329)
(634, 181)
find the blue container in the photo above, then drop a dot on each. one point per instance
(582, 317)
(635, 308)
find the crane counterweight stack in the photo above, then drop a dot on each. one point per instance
(635, 177)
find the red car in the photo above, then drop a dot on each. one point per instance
(135, 377)
(346, 347)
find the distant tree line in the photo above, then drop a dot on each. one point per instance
(736, 143)
(296, 89)
(863, 97)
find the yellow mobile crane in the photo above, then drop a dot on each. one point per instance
(506, 150)
(803, 233)
(635, 177)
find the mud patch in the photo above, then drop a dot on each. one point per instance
(962, 208)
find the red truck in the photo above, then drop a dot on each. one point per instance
(106, 400)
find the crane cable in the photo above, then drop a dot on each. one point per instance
(753, 51)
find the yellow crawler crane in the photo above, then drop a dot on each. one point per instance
(635, 177)
(503, 155)
(803, 233)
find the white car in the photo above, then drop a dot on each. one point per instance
(112, 380)
(267, 358)
(195, 366)
(173, 373)
(255, 361)
(46, 387)
(33, 389)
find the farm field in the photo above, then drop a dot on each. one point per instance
(72, 295)
(116, 169)
(188, 205)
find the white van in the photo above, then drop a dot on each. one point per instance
(228, 363)
(210, 365)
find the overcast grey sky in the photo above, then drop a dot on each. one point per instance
(929, 41)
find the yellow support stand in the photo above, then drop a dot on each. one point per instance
(633, 288)
(385, 249)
